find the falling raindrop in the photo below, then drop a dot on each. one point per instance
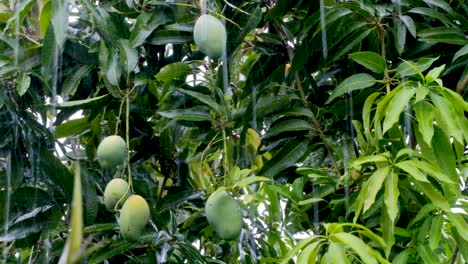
(324, 29)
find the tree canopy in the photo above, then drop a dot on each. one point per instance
(338, 127)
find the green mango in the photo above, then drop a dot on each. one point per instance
(111, 152)
(223, 213)
(134, 216)
(210, 36)
(117, 189)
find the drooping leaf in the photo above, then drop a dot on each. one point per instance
(370, 60)
(352, 83)
(410, 25)
(404, 69)
(425, 117)
(145, 24)
(73, 80)
(398, 103)
(391, 196)
(287, 156)
(288, 126)
(24, 81)
(365, 252)
(187, 114)
(173, 71)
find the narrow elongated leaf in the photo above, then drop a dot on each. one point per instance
(444, 154)
(82, 103)
(59, 21)
(425, 117)
(370, 60)
(432, 170)
(337, 253)
(413, 171)
(288, 126)
(186, 115)
(402, 257)
(391, 196)
(352, 40)
(72, 128)
(460, 53)
(72, 250)
(436, 231)
(368, 159)
(409, 23)
(427, 255)
(441, 4)
(287, 156)
(404, 69)
(400, 36)
(145, 24)
(435, 196)
(173, 71)
(309, 254)
(373, 185)
(164, 37)
(73, 80)
(398, 103)
(204, 99)
(431, 13)
(114, 70)
(459, 222)
(128, 56)
(352, 83)
(24, 81)
(447, 117)
(298, 247)
(362, 249)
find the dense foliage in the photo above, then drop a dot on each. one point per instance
(339, 126)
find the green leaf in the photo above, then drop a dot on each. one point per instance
(365, 252)
(460, 53)
(431, 13)
(204, 99)
(402, 257)
(337, 253)
(409, 23)
(373, 185)
(298, 247)
(44, 20)
(391, 196)
(310, 201)
(114, 248)
(73, 80)
(436, 231)
(24, 81)
(427, 255)
(352, 83)
(164, 37)
(352, 40)
(114, 70)
(72, 250)
(370, 60)
(400, 36)
(432, 170)
(59, 21)
(459, 222)
(288, 126)
(444, 154)
(409, 167)
(287, 156)
(173, 71)
(404, 69)
(435, 196)
(447, 117)
(145, 24)
(187, 114)
(71, 128)
(425, 116)
(82, 104)
(309, 254)
(447, 35)
(368, 159)
(398, 103)
(128, 56)
(441, 4)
